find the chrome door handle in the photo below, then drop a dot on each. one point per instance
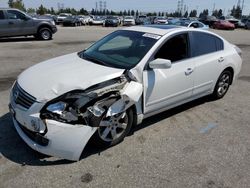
(11, 23)
(221, 59)
(189, 71)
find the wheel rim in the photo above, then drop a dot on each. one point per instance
(224, 83)
(112, 128)
(45, 34)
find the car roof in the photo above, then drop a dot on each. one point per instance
(165, 29)
(7, 8)
(156, 29)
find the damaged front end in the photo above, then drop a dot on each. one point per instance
(77, 108)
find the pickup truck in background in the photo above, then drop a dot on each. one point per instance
(14, 22)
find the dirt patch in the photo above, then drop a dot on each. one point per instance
(243, 46)
(141, 139)
(86, 178)
(189, 149)
(73, 42)
(6, 83)
(245, 78)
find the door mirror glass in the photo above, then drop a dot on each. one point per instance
(160, 64)
(25, 18)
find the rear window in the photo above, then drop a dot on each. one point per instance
(1, 15)
(204, 43)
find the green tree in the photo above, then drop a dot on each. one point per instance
(204, 13)
(93, 12)
(112, 12)
(186, 14)
(83, 11)
(132, 12)
(18, 4)
(220, 13)
(11, 3)
(129, 13)
(215, 13)
(31, 10)
(137, 13)
(41, 10)
(193, 13)
(236, 12)
(125, 13)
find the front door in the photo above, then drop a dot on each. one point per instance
(3, 24)
(165, 88)
(19, 23)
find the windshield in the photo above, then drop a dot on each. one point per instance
(129, 17)
(181, 23)
(63, 15)
(121, 49)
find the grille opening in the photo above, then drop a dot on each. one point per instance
(21, 97)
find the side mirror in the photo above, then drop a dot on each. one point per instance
(26, 18)
(160, 64)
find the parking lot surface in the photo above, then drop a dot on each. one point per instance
(200, 144)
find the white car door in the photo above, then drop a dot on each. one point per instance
(208, 57)
(165, 88)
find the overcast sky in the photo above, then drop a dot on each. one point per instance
(143, 5)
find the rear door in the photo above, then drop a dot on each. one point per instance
(208, 56)
(19, 23)
(3, 24)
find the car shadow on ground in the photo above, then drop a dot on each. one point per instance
(13, 148)
(18, 39)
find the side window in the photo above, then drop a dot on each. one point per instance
(175, 49)
(219, 44)
(195, 25)
(13, 14)
(1, 15)
(203, 43)
(200, 25)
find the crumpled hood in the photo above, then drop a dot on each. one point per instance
(57, 76)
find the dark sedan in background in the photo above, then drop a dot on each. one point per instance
(111, 21)
(72, 21)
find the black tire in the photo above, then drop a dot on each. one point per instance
(36, 36)
(97, 139)
(222, 85)
(45, 33)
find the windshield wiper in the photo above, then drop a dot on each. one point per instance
(84, 56)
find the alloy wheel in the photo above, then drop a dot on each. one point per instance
(112, 128)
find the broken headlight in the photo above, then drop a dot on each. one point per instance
(68, 108)
(60, 111)
(57, 108)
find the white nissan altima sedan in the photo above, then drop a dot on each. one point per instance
(129, 75)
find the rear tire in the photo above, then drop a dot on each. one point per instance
(112, 130)
(222, 85)
(45, 33)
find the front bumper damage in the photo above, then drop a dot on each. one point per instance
(52, 135)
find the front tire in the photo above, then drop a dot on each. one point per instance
(112, 130)
(222, 84)
(45, 33)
